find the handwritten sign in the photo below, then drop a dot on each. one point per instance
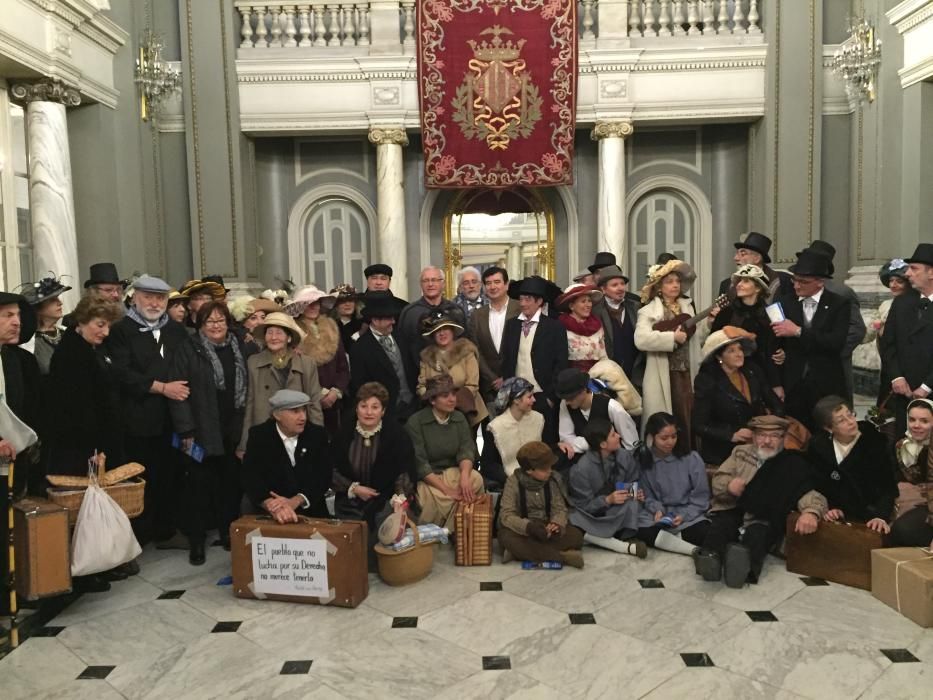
(290, 566)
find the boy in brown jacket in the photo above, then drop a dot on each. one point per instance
(533, 512)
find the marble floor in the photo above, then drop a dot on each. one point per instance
(620, 628)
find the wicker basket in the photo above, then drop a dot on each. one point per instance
(128, 493)
(407, 566)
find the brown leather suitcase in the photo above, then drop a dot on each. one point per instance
(322, 562)
(837, 552)
(473, 527)
(43, 549)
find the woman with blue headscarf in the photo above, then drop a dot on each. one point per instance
(517, 424)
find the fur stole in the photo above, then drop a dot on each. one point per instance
(322, 340)
(440, 360)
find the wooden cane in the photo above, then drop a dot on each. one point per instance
(14, 632)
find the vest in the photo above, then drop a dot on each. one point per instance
(598, 409)
(623, 340)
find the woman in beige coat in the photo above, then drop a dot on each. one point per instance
(455, 356)
(278, 366)
(671, 358)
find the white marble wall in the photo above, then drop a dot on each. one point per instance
(51, 198)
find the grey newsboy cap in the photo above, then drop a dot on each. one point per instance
(148, 283)
(288, 398)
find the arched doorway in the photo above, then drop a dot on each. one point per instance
(514, 229)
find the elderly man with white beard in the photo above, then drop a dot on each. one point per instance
(755, 489)
(141, 347)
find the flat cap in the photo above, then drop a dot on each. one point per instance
(377, 269)
(768, 423)
(148, 283)
(288, 398)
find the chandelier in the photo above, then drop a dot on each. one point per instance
(155, 78)
(857, 60)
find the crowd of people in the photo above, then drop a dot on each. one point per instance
(624, 420)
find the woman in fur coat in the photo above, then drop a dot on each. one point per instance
(456, 356)
(323, 344)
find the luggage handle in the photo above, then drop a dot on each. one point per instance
(303, 519)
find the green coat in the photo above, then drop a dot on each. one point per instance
(438, 447)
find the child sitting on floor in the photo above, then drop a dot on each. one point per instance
(533, 513)
(603, 489)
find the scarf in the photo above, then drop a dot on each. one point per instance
(239, 389)
(147, 327)
(586, 328)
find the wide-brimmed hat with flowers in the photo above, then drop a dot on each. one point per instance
(47, 288)
(753, 273)
(656, 273)
(893, 268)
(306, 296)
(344, 292)
(727, 335)
(575, 291)
(192, 287)
(437, 385)
(283, 321)
(438, 320)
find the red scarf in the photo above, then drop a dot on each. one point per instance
(588, 327)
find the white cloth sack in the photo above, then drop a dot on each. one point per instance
(103, 536)
(13, 429)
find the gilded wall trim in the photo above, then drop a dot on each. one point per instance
(775, 147)
(192, 77)
(224, 49)
(860, 182)
(811, 122)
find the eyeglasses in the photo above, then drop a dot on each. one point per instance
(432, 280)
(844, 418)
(216, 322)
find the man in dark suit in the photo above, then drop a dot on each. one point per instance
(379, 357)
(814, 332)
(487, 326)
(753, 249)
(534, 347)
(141, 347)
(287, 467)
(907, 342)
(618, 312)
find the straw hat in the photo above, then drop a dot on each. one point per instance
(753, 273)
(726, 336)
(575, 291)
(192, 287)
(306, 296)
(656, 273)
(283, 321)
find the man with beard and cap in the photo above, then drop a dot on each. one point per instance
(141, 346)
(753, 249)
(856, 332)
(534, 347)
(754, 490)
(470, 294)
(377, 355)
(814, 334)
(19, 396)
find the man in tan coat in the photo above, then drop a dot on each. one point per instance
(755, 489)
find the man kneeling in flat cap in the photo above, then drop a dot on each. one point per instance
(756, 488)
(287, 467)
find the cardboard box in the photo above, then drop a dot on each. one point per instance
(902, 577)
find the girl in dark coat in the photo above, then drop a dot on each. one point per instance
(729, 392)
(852, 466)
(213, 362)
(84, 414)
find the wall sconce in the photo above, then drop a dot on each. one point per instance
(857, 60)
(155, 78)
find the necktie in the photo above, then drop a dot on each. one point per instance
(388, 343)
(809, 309)
(391, 349)
(526, 327)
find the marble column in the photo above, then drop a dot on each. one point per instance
(51, 199)
(513, 262)
(391, 240)
(611, 215)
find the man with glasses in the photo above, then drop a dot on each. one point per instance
(408, 327)
(814, 330)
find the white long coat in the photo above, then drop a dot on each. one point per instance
(656, 387)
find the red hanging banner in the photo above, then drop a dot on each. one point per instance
(497, 82)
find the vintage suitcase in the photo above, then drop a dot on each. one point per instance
(473, 528)
(323, 562)
(837, 552)
(43, 547)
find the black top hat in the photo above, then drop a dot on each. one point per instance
(43, 290)
(812, 264)
(27, 315)
(536, 286)
(602, 259)
(215, 278)
(381, 304)
(826, 250)
(104, 273)
(758, 242)
(923, 255)
(377, 269)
